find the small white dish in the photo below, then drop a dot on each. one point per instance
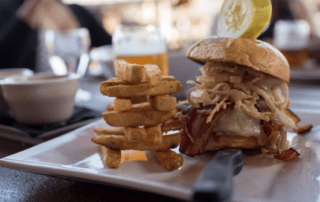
(11, 72)
(261, 179)
(41, 99)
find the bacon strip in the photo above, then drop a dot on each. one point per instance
(287, 155)
(198, 129)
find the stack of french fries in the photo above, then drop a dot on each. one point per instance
(138, 126)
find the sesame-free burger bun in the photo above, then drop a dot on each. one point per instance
(252, 53)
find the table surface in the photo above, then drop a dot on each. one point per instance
(19, 185)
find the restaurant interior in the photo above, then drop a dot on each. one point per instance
(47, 119)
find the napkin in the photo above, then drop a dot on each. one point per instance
(79, 114)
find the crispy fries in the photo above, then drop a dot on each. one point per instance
(136, 118)
(135, 134)
(138, 126)
(129, 72)
(109, 131)
(118, 81)
(154, 135)
(145, 106)
(294, 117)
(163, 102)
(111, 158)
(122, 91)
(122, 104)
(169, 159)
(296, 120)
(154, 75)
(117, 142)
(302, 129)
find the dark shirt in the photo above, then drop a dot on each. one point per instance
(18, 42)
(281, 11)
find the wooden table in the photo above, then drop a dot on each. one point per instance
(19, 185)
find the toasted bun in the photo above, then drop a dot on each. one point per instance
(255, 54)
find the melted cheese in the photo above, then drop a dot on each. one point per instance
(237, 122)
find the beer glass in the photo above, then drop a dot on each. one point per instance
(291, 37)
(141, 45)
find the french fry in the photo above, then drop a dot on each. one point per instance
(118, 142)
(292, 115)
(111, 158)
(136, 118)
(154, 135)
(169, 159)
(302, 129)
(135, 134)
(153, 74)
(109, 131)
(110, 107)
(122, 104)
(123, 91)
(163, 102)
(296, 120)
(118, 81)
(129, 72)
(144, 106)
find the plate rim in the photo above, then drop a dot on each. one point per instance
(151, 186)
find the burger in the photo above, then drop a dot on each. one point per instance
(240, 100)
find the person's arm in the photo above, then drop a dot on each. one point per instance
(28, 12)
(20, 22)
(17, 41)
(47, 14)
(98, 34)
(301, 11)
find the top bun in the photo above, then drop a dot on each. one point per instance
(252, 53)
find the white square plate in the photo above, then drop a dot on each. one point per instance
(261, 179)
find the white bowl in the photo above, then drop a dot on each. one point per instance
(11, 72)
(41, 99)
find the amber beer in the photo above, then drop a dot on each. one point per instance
(296, 58)
(141, 45)
(159, 59)
(291, 37)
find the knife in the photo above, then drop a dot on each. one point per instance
(215, 184)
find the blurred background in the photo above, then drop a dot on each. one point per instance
(185, 21)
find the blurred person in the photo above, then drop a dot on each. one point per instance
(288, 10)
(21, 20)
(293, 10)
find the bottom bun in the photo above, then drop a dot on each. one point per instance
(219, 142)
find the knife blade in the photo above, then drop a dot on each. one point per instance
(215, 184)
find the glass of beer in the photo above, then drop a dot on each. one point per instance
(291, 37)
(141, 44)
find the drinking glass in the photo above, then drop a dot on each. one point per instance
(291, 37)
(68, 51)
(141, 44)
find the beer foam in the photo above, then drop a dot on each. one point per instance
(137, 47)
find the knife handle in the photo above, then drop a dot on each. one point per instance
(216, 182)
